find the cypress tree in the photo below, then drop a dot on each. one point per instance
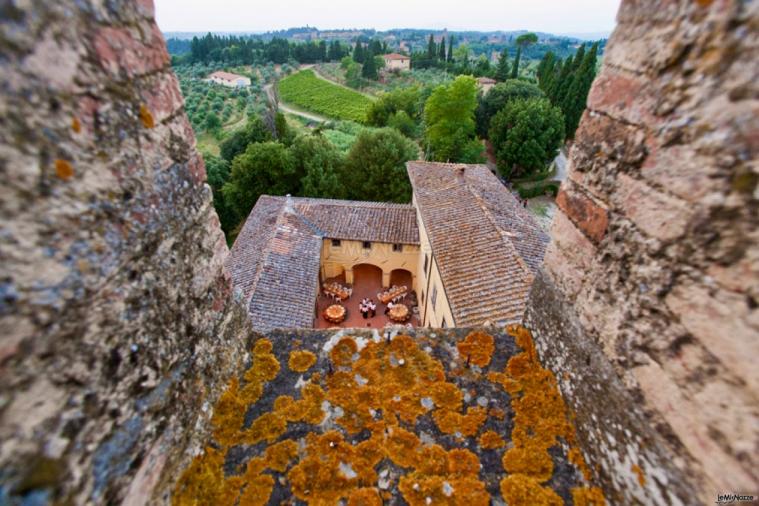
(515, 68)
(577, 95)
(450, 49)
(431, 51)
(358, 53)
(503, 70)
(369, 70)
(562, 81)
(545, 67)
(441, 53)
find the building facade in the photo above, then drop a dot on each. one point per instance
(467, 247)
(397, 62)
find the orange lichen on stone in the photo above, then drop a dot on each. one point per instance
(343, 351)
(540, 418)
(575, 457)
(146, 117)
(229, 412)
(588, 496)
(228, 415)
(76, 126)
(463, 462)
(301, 361)
(490, 440)
(366, 496)
(477, 349)
(639, 472)
(331, 470)
(522, 490)
(63, 169)
(402, 446)
(532, 461)
(203, 482)
(279, 456)
(451, 422)
(446, 395)
(420, 490)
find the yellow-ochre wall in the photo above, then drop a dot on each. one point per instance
(338, 259)
(427, 281)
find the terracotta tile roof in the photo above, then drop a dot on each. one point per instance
(275, 264)
(486, 80)
(485, 244)
(361, 221)
(395, 56)
(276, 258)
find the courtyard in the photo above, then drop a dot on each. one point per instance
(367, 283)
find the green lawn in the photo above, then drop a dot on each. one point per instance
(306, 90)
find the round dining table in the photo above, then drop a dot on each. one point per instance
(335, 313)
(399, 313)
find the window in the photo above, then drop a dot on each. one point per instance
(336, 243)
(426, 261)
(398, 247)
(434, 297)
(367, 245)
(444, 325)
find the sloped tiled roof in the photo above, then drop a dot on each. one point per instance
(486, 245)
(396, 56)
(275, 260)
(361, 221)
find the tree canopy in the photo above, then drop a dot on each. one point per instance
(526, 135)
(498, 96)
(264, 168)
(375, 166)
(449, 118)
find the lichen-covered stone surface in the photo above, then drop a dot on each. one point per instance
(117, 323)
(464, 417)
(648, 307)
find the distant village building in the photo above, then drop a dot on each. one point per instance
(395, 61)
(229, 79)
(465, 245)
(485, 83)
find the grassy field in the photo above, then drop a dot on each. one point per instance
(306, 90)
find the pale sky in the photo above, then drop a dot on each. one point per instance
(553, 16)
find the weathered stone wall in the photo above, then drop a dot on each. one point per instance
(116, 326)
(647, 306)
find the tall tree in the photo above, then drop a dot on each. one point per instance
(450, 49)
(523, 41)
(369, 70)
(503, 71)
(441, 50)
(317, 163)
(264, 168)
(515, 68)
(576, 99)
(497, 98)
(358, 52)
(431, 49)
(375, 166)
(526, 135)
(449, 118)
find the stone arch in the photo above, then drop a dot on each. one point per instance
(363, 269)
(402, 277)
